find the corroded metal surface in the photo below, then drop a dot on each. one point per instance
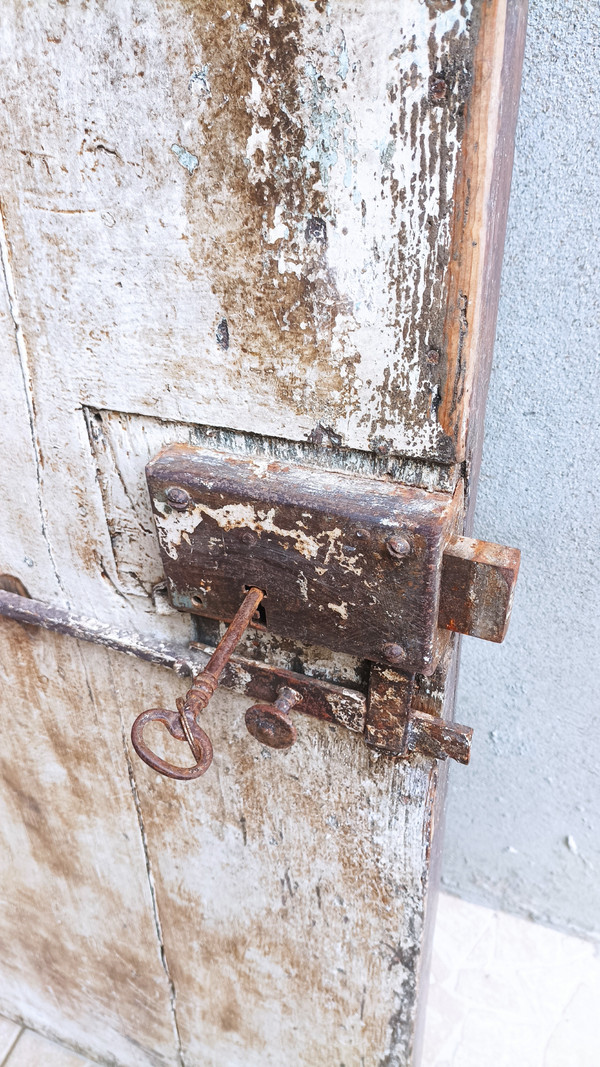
(397, 726)
(438, 739)
(322, 700)
(346, 562)
(478, 586)
(270, 723)
(197, 739)
(384, 724)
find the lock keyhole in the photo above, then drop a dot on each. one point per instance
(260, 615)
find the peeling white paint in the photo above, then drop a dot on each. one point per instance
(278, 230)
(258, 139)
(174, 525)
(340, 609)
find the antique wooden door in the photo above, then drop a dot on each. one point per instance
(272, 228)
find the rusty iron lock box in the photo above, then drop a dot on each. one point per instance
(357, 565)
(346, 562)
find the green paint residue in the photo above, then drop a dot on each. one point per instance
(325, 119)
(187, 159)
(343, 61)
(387, 152)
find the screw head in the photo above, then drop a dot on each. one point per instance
(393, 653)
(178, 498)
(398, 546)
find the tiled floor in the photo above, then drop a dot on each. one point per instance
(504, 993)
(23, 1048)
(508, 993)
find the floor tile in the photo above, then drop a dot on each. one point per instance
(31, 1050)
(507, 992)
(9, 1033)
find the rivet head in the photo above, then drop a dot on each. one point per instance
(399, 546)
(363, 535)
(178, 498)
(393, 653)
(248, 538)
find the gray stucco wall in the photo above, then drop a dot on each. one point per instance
(523, 821)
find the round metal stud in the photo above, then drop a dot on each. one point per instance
(393, 654)
(399, 546)
(270, 726)
(178, 498)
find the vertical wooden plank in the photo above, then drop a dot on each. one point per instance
(81, 952)
(481, 196)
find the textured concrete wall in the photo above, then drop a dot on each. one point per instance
(523, 828)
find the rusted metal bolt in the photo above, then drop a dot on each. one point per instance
(178, 498)
(248, 538)
(393, 653)
(438, 89)
(399, 546)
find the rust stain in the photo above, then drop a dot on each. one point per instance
(267, 210)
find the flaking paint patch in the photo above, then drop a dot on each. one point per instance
(340, 609)
(313, 116)
(174, 526)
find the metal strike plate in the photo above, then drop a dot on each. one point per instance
(318, 544)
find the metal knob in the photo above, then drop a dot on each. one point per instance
(270, 723)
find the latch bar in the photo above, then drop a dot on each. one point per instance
(261, 681)
(385, 717)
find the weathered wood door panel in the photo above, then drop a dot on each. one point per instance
(289, 917)
(81, 952)
(275, 226)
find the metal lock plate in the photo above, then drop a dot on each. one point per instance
(318, 544)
